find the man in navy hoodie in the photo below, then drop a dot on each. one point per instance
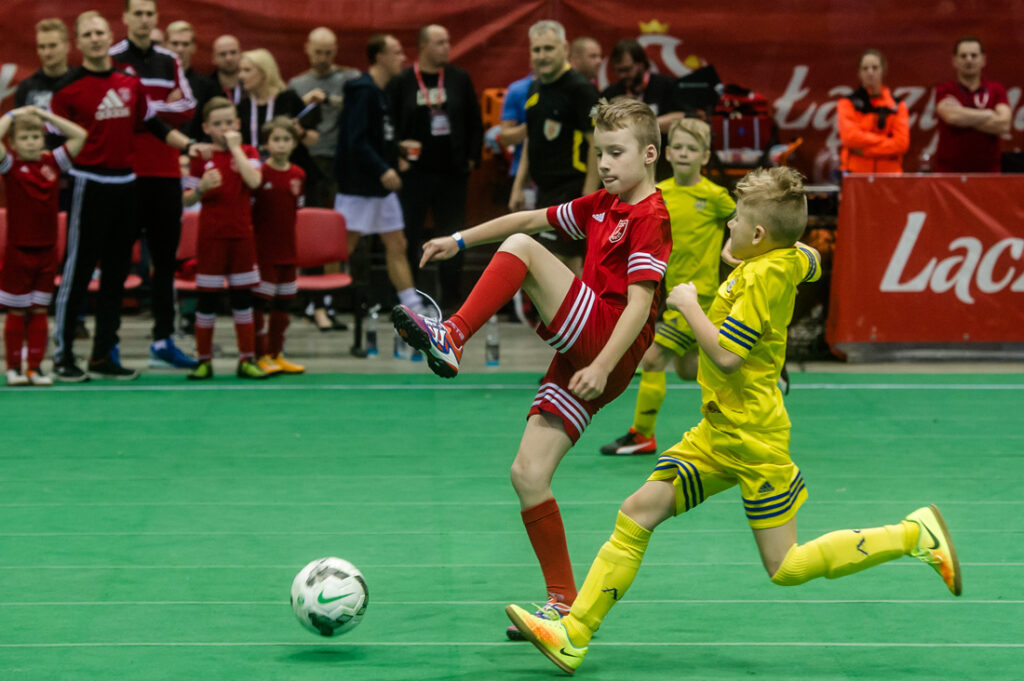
(366, 164)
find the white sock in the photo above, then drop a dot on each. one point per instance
(410, 299)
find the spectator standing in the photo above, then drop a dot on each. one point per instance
(873, 125)
(636, 80)
(366, 164)
(227, 53)
(181, 39)
(158, 173)
(52, 47)
(323, 83)
(973, 112)
(585, 56)
(513, 119)
(559, 154)
(437, 114)
(103, 221)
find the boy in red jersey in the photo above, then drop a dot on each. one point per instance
(30, 262)
(600, 324)
(224, 184)
(273, 222)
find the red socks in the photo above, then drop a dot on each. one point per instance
(501, 279)
(245, 333)
(275, 336)
(37, 337)
(204, 335)
(547, 535)
(14, 338)
(260, 330)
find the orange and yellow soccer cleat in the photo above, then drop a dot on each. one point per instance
(287, 366)
(935, 546)
(549, 637)
(269, 365)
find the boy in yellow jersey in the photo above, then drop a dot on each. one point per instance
(698, 209)
(744, 436)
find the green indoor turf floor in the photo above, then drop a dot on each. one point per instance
(151, 530)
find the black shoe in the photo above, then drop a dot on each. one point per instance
(108, 368)
(67, 372)
(81, 332)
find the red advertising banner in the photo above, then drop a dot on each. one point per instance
(929, 259)
(801, 54)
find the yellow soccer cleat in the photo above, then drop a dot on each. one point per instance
(287, 366)
(935, 546)
(550, 638)
(269, 365)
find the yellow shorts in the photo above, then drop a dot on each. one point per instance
(674, 333)
(708, 461)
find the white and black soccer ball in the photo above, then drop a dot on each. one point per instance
(329, 596)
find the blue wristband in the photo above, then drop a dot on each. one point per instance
(459, 240)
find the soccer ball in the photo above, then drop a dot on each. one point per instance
(329, 596)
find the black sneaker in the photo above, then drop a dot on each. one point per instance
(108, 368)
(67, 372)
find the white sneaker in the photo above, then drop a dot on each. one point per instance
(38, 378)
(15, 377)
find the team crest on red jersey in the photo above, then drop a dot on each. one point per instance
(552, 129)
(620, 231)
(296, 184)
(125, 94)
(48, 174)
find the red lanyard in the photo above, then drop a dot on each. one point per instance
(423, 86)
(643, 87)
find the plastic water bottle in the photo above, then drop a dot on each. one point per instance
(402, 349)
(491, 349)
(371, 332)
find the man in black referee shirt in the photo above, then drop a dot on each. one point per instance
(559, 150)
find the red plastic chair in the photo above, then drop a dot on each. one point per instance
(320, 238)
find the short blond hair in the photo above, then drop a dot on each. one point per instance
(53, 24)
(217, 103)
(695, 128)
(775, 199)
(626, 113)
(87, 15)
(181, 26)
(265, 62)
(27, 122)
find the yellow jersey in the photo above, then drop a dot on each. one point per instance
(752, 311)
(698, 214)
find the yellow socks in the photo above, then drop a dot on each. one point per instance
(610, 576)
(648, 401)
(844, 552)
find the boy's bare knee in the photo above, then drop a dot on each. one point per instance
(518, 245)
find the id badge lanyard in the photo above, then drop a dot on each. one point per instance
(439, 123)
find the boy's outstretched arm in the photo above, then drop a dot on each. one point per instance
(589, 382)
(683, 299)
(525, 222)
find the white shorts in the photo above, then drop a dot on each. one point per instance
(370, 214)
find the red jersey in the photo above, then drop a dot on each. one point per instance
(966, 150)
(227, 209)
(273, 214)
(111, 106)
(32, 193)
(626, 243)
(160, 73)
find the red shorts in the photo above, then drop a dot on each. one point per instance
(231, 259)
(27, 276)
(277, 281)
(579, 332)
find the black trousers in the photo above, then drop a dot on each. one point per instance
(444, 197)
(159, 201)
(102, 225)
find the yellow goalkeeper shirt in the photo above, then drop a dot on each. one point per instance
(752, 311)
(698, 214)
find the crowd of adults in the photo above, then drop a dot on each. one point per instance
(390, 147)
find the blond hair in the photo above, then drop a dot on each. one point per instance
(695, 128)
(87, 15)
(265, 62)
(181, 26)
(279, 123)
(625, 113)
(27, 122)
(53, 24)
(774, 198)
(217, 103)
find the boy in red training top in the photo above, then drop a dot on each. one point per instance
(273, 221)
(600, 324)
(31, 175)
(224, 183)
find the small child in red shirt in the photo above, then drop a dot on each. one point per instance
(31, 175)
(224, 183)
(277, 201)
